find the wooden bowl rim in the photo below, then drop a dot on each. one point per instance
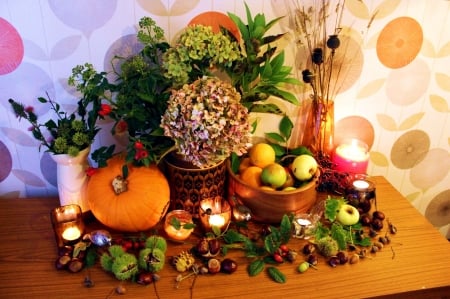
(275, 192)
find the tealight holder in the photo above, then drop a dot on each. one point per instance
(362, 194)
(175, 223)
(68, 225)
(304, 225)
(215, 212)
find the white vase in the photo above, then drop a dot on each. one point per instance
(72, 179)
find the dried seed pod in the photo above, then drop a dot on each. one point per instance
(183, 262)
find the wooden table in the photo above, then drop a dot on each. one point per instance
(415, 265)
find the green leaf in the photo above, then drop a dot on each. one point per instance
(285, 229)
(231, 236)
(340, 235)
(235, 162)
(276, 275)
(125, 172)
(332, 207)
(301, 150)
(286, 127)
(279, 150)
(256, 267)
(275, 136)
(216, 230)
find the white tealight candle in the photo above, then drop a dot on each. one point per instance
(71, 233)
(360, 184)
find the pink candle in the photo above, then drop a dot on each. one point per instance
(351, 156)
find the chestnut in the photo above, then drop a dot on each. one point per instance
(214, 246)
(75, 265)
(202, 247)
(62, 262)
(145, 278)
(228, 266)
(213, 266)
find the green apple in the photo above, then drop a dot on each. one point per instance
(304, 167)
(347, 215)
(273, 175)
(290, 188)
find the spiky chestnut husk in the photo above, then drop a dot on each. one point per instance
(107, 258)
(106, 262)
(327, 246)
(116, 250)
(156, 242)
(184, 261)
(125, 266)
(151, 259)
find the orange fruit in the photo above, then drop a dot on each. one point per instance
(262, 154)
(252, 176)
(245, 162)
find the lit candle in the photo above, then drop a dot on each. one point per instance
(71, 233)
(217, 220)
(304, 225)
(67, 224)
(361, 184)
(215, 212)
(352, 157)
(175, 223)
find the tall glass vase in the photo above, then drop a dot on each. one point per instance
(319, 128)
(72, 179)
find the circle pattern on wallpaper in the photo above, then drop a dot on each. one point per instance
(431, 170)
(38, 84)
(48, 169)
(438, 210)
(5, 162)
(216, 20)
(409, 149)
(126, 46)
(354, 127)
(11, 47)
(407, 85)
(85, 15)
(399, 42)
(348, 59)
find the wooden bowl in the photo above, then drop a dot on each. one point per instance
(270, 206)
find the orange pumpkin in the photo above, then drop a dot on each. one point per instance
(139, 208)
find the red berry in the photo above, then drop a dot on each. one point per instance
(278, 258)
(284, 248)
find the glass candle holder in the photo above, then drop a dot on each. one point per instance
(304, 225)
(362, 194)
(214, 212)
(175, 222)
(68, 224)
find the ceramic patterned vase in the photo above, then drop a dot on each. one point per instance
(190, 184)
(72, 179)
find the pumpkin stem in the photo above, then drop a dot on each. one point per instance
(119, 184)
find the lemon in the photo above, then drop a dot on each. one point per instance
(261, 155)
(252, 176)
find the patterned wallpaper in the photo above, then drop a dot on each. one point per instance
(396, 96)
